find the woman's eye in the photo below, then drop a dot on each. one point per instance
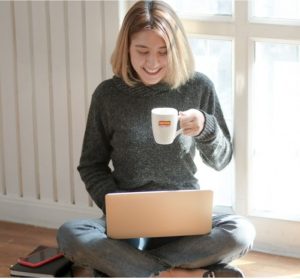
(162, 53)
(143, 52)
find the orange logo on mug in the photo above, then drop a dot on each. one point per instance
(164, 123)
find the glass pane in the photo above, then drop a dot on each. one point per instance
(214, 59)
(276, 9)
(192, 8)
(275, 119)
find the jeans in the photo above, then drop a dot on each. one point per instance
(85, 243)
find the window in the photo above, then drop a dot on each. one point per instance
(275, 101)
(250, 50)
(213, 57)
(276, 10)
(276, 130)
(202, 8)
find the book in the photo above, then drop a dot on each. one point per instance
(60, 267)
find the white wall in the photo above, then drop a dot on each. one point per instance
(52, 56)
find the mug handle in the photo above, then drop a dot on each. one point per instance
(178, 132)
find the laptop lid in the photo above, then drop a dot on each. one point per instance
(159, 213)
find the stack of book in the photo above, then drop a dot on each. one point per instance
(60, 267)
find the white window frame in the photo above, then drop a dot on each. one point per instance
(275, 236)
(244, 31)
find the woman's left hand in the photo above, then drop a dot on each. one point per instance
(191, 122)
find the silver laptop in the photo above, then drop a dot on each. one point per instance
(159, 213)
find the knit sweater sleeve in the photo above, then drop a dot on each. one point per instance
(95, 156)
(214, 142)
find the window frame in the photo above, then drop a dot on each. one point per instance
(243, 30)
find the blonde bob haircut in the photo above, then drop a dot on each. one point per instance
(161, 18)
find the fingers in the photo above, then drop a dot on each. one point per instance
(191, 121)
(185, 117)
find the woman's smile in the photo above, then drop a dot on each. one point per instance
(152, 71)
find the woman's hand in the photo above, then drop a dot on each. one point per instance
(191, 122)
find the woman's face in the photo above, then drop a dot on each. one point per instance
(148, 56)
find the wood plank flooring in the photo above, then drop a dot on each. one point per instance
(18, 240)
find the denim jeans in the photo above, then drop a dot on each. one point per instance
(85, 243)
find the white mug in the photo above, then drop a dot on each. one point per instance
(164, 125)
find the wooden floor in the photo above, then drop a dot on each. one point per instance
(18, 240)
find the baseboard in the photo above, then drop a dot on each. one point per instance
(42, 213)
(276, 236)
(277, 251)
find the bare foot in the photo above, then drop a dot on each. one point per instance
(181, 272)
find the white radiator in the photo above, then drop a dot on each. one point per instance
(53, 54)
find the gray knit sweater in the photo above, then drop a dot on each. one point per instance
(119, 129)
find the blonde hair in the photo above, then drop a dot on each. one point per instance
(161, 18)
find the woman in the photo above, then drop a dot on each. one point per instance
(153, 67)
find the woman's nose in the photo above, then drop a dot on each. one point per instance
(152, 61)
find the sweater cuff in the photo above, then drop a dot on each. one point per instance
(209, 129)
